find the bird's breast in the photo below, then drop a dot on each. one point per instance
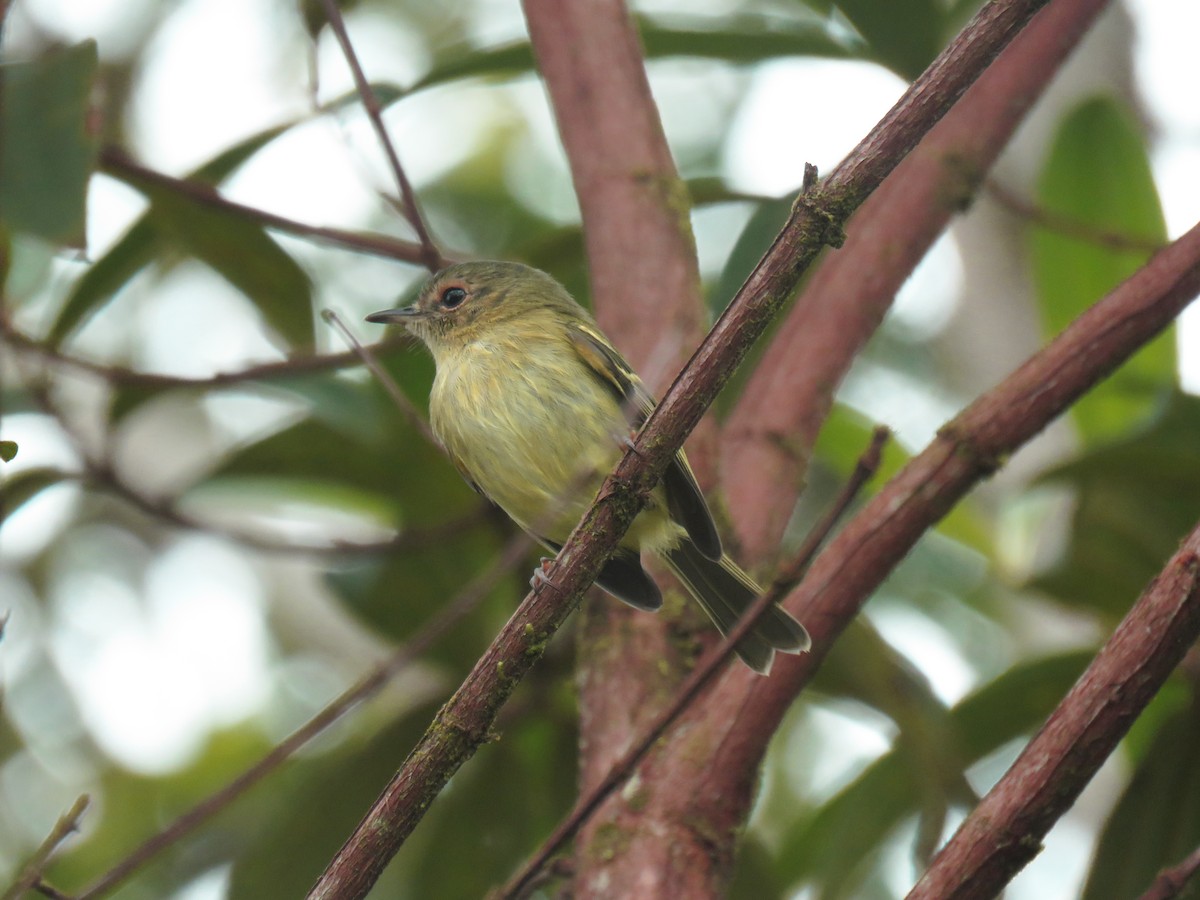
(531, 426)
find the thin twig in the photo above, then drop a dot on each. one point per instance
(468, 598)
(122, 375)
(167, 509)
(116, 162)
(709, 666)
(67, 823)
(411, 414)
(48, 890)
(1170, 882)
(1069, 226)
(100, 473)
(430, 255)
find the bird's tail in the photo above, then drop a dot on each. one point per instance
(725, 592)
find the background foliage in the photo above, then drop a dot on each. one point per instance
(294, 517)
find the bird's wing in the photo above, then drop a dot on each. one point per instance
(462, 470)
(685, 502)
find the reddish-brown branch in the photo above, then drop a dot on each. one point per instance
(1005, 830)
(767, 440)
(464, 722)
(644, 275)
(1171, 882)
(740, 710)
(703, 674)
(646, 293)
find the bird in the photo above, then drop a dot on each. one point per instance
(534, 407)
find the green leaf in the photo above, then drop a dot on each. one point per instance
(398, 594)
(47, 154)
(246, 256)
(1098, 175)
(317, 802)
(756, 237)
(17, 490)
(498, 809)
(144, 242)
(742, 41)
(904, 35)
(745, 40)
(8, 450)
(1133, 502)
(833, 846)
(1156, 822)
(862, 666)
(372, 451)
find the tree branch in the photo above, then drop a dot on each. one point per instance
(32, 873)
(1005, 830)
(638, 239)
(1068, 226)
(369, 685)
(117, 163)
(740, 709)
(431, 257)
(1171, 882)
(123, 376)
(767, 440)
(702, 675)
(465, 721)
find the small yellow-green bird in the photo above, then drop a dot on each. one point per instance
(534, 406)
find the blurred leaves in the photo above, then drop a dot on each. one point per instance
(511, 795)
(1156, 823)
(152, 237)
(904, 35)
(246, 256)
(832, 845)
(341, 452)
(1134, 500)
(739, 41)
(17, 490)
(49, 148)
(1098, 176)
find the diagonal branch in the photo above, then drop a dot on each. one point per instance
(32, 873)
(430, 255)
(463, 724)
(702, 675)
(767, 439)
(366, 687)
(969, 448)
(117, 163)
(1005, 831)
(639, 244)
(1172, 881)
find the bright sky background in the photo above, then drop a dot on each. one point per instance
(187, 108)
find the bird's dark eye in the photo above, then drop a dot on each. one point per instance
(452, 297)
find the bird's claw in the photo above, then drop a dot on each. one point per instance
(541, 575)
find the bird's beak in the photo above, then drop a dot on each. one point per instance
(401, 314)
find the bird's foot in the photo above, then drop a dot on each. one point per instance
(541, 575)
